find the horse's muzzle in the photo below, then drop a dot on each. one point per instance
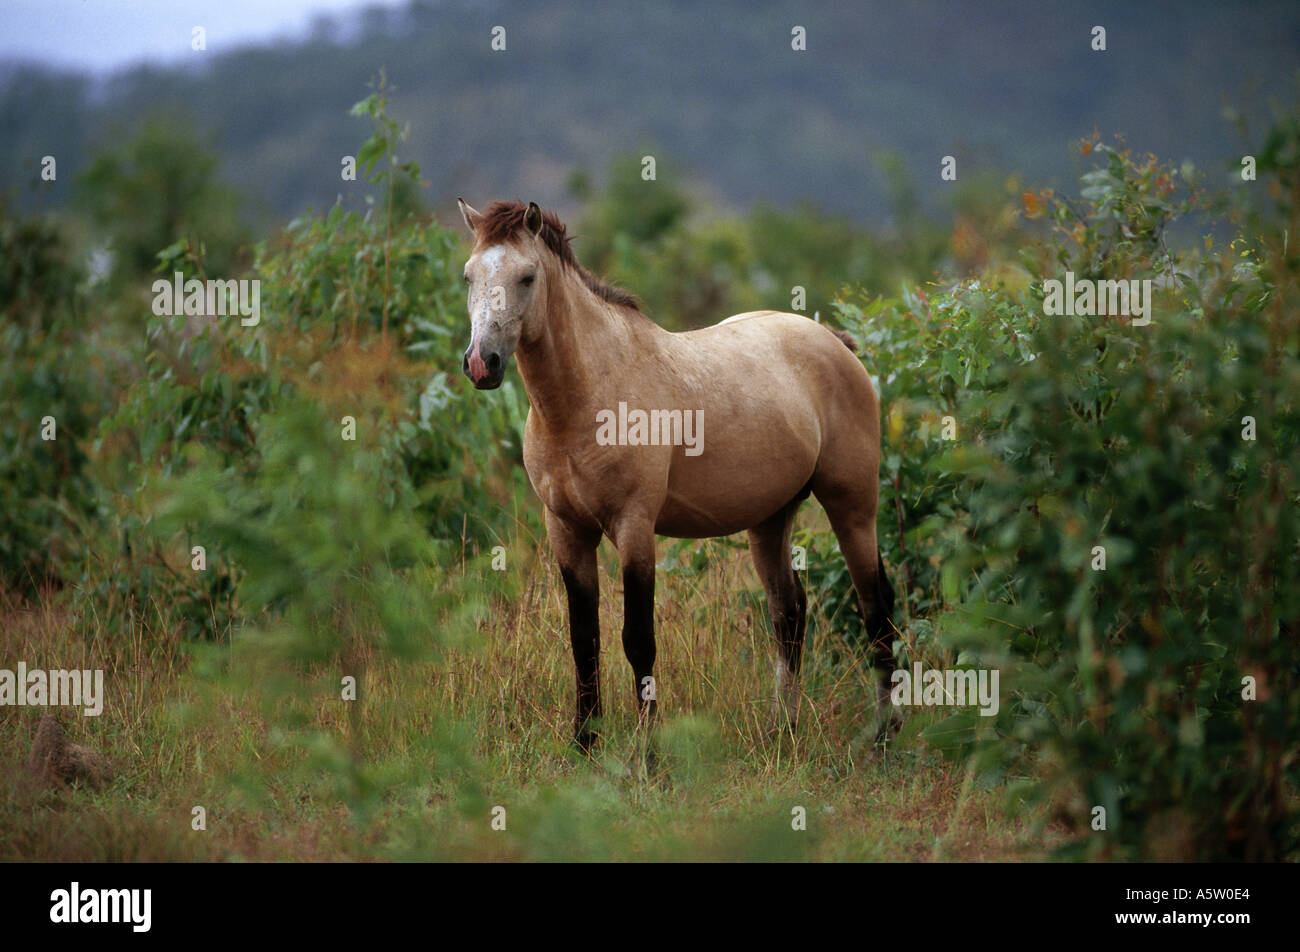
(487, 372)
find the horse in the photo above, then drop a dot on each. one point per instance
(790, 409)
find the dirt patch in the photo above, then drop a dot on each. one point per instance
(57, 763)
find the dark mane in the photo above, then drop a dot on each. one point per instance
(503, 220)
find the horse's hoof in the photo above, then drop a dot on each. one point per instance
(644, 762)
(780, 727)
(890, 725)
(585, 741)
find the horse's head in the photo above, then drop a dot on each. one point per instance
(506, 287)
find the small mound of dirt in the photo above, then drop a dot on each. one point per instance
(55, 761)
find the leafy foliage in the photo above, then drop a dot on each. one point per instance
(1123, 687)
(1081, 437)
(46, 373)
(156, 188)
(349, 302)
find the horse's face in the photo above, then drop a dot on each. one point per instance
(505, 284)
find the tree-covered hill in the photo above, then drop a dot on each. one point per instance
(715, 87)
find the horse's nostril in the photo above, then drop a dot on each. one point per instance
(465, 362)
(493, 362)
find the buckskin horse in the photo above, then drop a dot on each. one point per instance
(790, 411)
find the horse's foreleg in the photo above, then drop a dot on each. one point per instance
(576, 552)
(635, 540)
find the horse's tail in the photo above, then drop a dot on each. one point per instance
(845, 339)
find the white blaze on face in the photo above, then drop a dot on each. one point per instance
(492, 259)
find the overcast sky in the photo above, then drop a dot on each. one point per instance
(102, 35)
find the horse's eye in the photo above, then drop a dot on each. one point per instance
(527, 279)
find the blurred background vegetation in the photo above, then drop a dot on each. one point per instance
(716, 88)
(370, 558)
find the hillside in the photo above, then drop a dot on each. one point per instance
(712, 87)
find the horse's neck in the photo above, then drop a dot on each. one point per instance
(579, 351)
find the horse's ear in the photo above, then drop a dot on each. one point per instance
(471, 216)
(533, 219)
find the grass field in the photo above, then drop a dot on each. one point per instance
(286, 770)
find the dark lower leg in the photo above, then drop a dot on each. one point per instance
(639, 634)
(584, 635)
(880, 626)
(787, 604)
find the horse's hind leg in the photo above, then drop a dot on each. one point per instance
(769, 544)
(851, 507)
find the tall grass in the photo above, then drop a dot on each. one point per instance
(438, 741)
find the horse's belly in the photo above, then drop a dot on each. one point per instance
(733, 492)
(678, 521)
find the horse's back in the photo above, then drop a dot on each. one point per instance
(747, 315)
(779, 344)
(771, 324)
(783, 398)
(822, 368)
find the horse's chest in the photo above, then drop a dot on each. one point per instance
(560, 486)
(581, 484)
(550, 485)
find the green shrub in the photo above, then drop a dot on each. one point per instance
(46, 371)
(1122, 688)
(362, 312)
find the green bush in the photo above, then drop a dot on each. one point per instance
(1122, 688)
(46, 370)
(362, 312)
(157, 187)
